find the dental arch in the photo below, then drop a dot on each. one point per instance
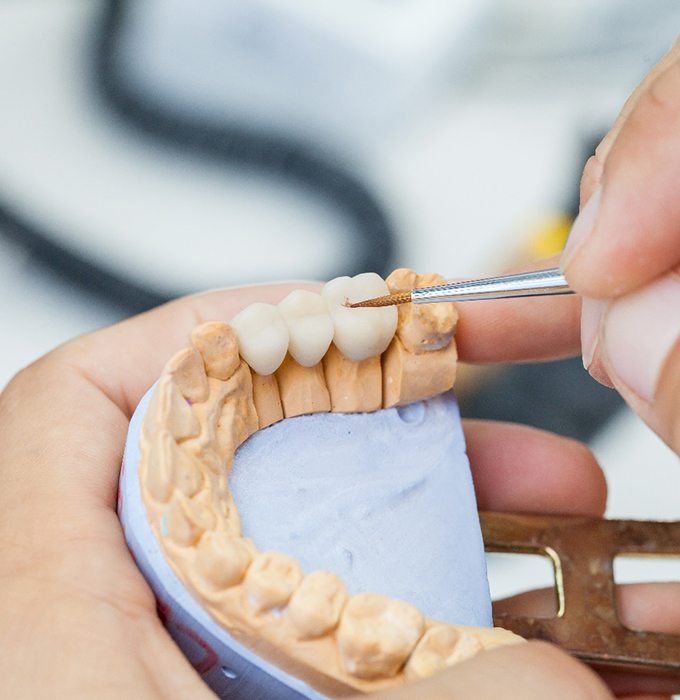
(308, 354)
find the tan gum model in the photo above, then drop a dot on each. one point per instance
(309, 354)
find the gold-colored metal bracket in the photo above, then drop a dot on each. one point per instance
(583, 550)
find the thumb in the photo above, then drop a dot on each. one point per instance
(639, 347)
(516, 672)
(626, 234)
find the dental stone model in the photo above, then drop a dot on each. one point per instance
(365, 482)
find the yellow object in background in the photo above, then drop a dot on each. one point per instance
(548, 236)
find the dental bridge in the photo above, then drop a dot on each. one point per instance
(311, 354)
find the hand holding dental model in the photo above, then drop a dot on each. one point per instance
(78, 620)
(336, 546)
(623, 255)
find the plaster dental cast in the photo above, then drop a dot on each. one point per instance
(77, 618)
(310, 354)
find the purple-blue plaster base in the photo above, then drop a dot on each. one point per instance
(383, 499)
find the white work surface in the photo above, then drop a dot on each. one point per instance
(497, 162)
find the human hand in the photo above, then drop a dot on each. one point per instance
(76, 617)
(623, 255)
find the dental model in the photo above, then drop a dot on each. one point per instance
(308, 355)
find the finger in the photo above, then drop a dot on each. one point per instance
(521, 469)
(650, 607)
(634, 686)
(639, 347)
(539, 602)
(521, 672)
(516, 330)
(592, 312)
(592, 173)
(627, 233)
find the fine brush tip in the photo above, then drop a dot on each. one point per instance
(389, 300)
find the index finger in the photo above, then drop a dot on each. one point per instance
(520, 330)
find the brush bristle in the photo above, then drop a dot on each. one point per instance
(389, 300)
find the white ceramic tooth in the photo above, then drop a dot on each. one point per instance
(310, 326)
(262, 337)
(360, 333)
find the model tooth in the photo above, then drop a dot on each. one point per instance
(497, 637)
(174, 411)
(217, 343)
(171, 466)
(360, 333)
(188, 372)
(422, 327)
(377, 634)
(181, 422)
(271, 580)
(441, 646)
(316, 605)
(159, 481)
(186, 469)
(266, 399)
(262, 337)
(222, 558)
(309, 325)
(185, 520)
(236, 416)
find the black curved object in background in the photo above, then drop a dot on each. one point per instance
(373, 242)
(235, 144)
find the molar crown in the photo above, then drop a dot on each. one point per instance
(377, 634)
(360, 333)
(441, 646)
(271, 580)
(316, 605)
(222, 559)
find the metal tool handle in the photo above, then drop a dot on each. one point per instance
(525, 284)
(582, 550)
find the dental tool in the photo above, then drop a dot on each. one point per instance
(524, 284)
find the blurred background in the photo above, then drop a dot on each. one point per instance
(149, 149)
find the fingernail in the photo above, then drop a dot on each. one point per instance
(583, 225)
(639, 332)
(592, 311)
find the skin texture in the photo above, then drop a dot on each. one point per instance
(638, 164)
(634, 242)
(76, 617)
